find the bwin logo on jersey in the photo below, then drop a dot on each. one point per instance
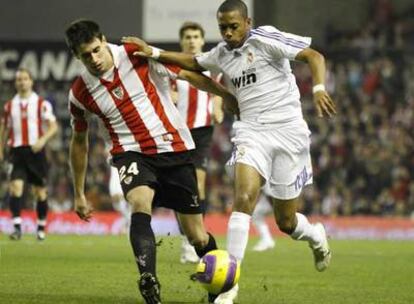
(248, 77)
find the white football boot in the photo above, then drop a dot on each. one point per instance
(263, 245)
(188, 253)
(227, 297)
(322, 254)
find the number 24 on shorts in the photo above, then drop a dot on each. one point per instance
(123, 172)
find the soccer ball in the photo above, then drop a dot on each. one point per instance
(218, 271)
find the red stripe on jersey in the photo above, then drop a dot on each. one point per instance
(130, 114)
(81, 93)
(192, 106)
(80, 123)
(39, 116)
(24, 124)
(142, 69)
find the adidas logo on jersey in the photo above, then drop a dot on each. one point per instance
(248, 77)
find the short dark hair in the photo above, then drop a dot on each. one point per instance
(24, 70)
(233, 5)
(82, 31)
(190, 25)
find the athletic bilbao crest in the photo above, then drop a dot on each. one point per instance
(118, 92)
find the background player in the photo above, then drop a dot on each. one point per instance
(200, 111)
(261, 211)
(272, 139)
(28, 124)
(150, 142)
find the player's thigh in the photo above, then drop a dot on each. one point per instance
(178, 189)
(37, 169)
(201, 182)
(193, 227)
(137, 179)
(247, 182)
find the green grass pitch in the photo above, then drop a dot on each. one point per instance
(93, 269)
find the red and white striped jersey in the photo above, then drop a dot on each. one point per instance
(194, 105)
(134, 103)
(25, 119)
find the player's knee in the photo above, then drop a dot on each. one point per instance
(40, 194)
(286, 225)
(245, 202)
(16, 189)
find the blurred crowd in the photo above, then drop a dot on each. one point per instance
(363, 159)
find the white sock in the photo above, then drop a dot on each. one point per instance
(305, 231)
(263, 229)
(238, 234)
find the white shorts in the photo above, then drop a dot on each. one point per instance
(279, 152)
(114, 183)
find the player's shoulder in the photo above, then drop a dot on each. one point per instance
(78, 89)
(265, 34)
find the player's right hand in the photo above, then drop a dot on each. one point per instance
(144, 49)
(82, 208)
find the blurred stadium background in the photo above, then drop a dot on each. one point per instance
(363, 159)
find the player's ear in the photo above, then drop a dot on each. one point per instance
(249, 21)
(104, 39)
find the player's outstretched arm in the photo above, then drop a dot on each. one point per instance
(78, 151)
(205, 83)
(321, 98)
(186, 61)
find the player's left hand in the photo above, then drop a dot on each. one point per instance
(38, 146)
(324, 104)
(218, 115)
(144, 49)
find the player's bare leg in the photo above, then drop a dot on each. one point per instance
(247, 188)
(142, 241)
(16, 192)
(298, 227)
(203, 242)
(40, 193)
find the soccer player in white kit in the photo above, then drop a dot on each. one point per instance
(272, 139)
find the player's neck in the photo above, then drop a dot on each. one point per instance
(25, 94)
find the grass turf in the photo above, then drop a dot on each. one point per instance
(93, 269)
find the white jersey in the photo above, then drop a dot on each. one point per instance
(134, 103)
(25, 119)
(260, 75)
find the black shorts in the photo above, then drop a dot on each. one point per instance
(29, 166)
(171, 175)
(202, 139)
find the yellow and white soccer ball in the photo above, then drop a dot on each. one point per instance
(218, 271)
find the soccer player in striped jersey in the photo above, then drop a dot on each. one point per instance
(151, 144)
(200, 110)
(28, 123)
(272, 139)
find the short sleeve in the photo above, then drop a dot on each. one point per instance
(209, 60)
(47, 111)
(279, 44)
(164, 70)
(79, 115)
